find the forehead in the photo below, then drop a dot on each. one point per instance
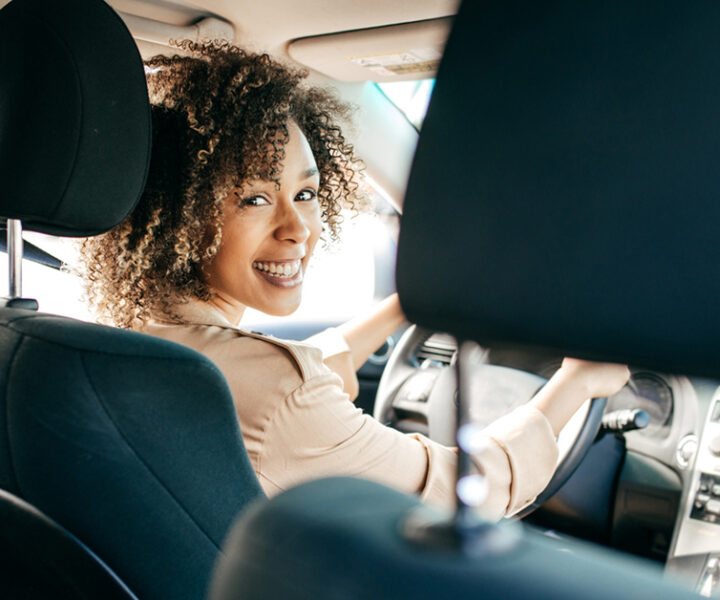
(297, 165)
(298, 143)
(299, 160)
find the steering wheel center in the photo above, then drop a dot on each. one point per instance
(494, 391)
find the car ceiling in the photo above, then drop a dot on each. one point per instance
(271, 24)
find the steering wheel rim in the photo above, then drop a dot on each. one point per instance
(403, 371)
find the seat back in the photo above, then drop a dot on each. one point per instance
(342, 538)
(564, 190)
(128, 441)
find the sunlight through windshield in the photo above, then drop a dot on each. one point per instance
(411, 97)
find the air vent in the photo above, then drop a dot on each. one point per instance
(439, 347)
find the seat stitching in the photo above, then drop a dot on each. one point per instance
(139, 458)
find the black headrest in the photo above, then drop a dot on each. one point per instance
(74, 116)
(566, 189)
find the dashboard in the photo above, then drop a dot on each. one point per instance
(654, 491)
(671, 402)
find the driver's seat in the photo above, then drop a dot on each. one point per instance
(565, 144)
(129, 442)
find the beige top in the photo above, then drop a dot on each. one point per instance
(298, 424)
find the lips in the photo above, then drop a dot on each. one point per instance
(284, 274)
(284, 269)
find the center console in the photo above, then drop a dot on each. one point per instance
(696, 549)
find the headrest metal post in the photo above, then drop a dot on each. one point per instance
(465, 512)
(465, 531)
(15, 255)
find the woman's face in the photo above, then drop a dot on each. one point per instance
(268, 236)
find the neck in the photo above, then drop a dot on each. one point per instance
(231, 309)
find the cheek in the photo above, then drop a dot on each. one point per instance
(237, 243)
(315, 225)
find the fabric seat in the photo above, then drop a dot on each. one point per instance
(40, 559)
(128, 441)
(342, 538)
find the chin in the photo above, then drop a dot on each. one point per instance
(281, 311)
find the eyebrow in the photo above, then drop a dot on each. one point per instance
(310, 173)
(307, 174)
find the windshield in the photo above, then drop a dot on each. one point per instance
(411, 97)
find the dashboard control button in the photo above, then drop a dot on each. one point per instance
(686, 451)
(714, 445)
(713, 507)
(706, 504)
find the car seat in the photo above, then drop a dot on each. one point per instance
(127, 441)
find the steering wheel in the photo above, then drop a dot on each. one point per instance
(419, 394)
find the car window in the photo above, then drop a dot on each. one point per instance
(411, 97)
(58, 291)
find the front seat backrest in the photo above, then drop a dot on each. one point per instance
(575, 160)
(129, 442)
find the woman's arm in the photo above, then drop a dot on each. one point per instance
(366, 333)
(362, 336)
(573, 383)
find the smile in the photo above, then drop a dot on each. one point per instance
(282, 274)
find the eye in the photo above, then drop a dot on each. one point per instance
(306, 196)
(254, 201)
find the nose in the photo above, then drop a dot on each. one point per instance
(291, 225)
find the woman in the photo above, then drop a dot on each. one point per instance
(248, 169)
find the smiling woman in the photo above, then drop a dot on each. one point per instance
(247, 167)
(225, 119)
(269, 233)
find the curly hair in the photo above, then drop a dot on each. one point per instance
(220, 117)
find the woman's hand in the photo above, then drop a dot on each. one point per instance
(573, 383)
(600, 379)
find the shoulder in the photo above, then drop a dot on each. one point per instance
(238, 351)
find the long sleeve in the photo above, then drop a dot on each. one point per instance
(316, 432)
(337, 357)
(329, 341)
(298, 424)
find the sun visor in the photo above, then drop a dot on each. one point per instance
(565, 192)
(391, 53)
(74, 117)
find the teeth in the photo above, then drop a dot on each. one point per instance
(284, 270)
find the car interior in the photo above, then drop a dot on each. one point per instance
(557, 200)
